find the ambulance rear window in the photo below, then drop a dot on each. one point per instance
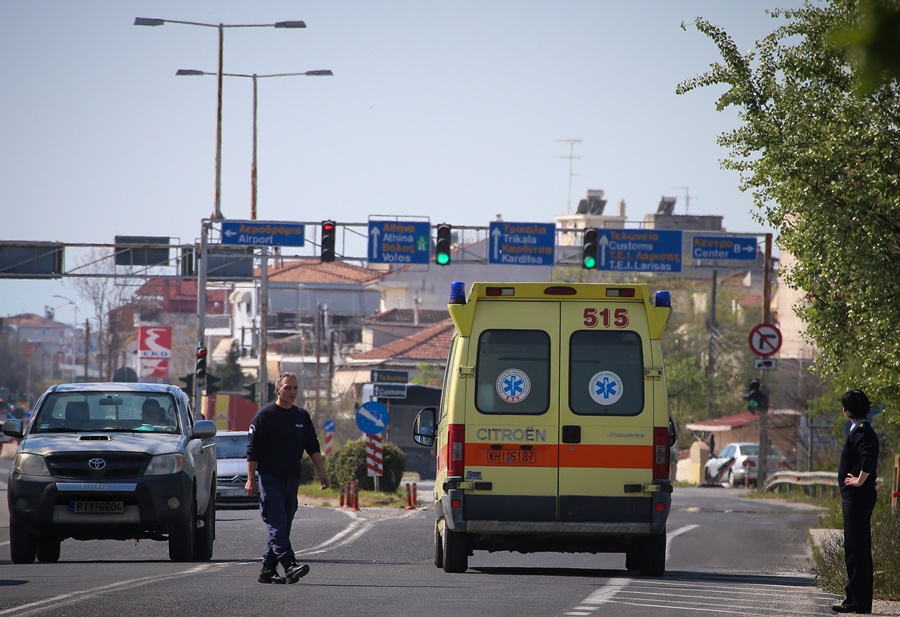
(606, 373)
(513, 372)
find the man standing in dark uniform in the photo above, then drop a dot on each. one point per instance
(279, 435)
(856, 477)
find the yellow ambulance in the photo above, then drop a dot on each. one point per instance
(553, 432)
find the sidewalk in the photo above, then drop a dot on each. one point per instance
(879, 607)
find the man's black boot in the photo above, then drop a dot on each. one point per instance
(269, 575)
(294, 571)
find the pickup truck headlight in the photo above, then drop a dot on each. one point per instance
(31, 465)
(164, 464)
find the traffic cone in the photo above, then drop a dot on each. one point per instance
(344, 495)
(354, 496)
(409, 499)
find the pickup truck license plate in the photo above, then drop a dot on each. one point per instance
(97, 507)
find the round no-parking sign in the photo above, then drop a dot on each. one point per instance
(765, 339)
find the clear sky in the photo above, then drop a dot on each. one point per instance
(453, 110)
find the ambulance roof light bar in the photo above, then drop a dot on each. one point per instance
(457, 292)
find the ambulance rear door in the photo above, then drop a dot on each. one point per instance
(605, 411)
(512, 418)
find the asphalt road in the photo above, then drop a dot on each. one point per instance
(727, 556)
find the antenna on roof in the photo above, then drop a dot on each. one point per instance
(571, 156)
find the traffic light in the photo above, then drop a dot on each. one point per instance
(329, 229)
(757, 399)
(188, 381)
(251, 391)
(442, 248)
(200, 370)
(211, 387)
(589, 252)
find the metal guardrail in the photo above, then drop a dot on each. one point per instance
(801, 478)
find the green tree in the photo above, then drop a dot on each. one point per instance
(230, 372)
(821, 161)
(429, 374)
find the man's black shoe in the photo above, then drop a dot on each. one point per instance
(294, 571)
(269, 575)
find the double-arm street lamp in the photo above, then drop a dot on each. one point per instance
(255, 77)
(147, 21)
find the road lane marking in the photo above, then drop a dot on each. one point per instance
(675, 534)
(40, 606)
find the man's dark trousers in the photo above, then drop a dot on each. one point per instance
(858, 548)
(278, 505)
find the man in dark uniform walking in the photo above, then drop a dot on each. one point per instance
(279, 435)
(856, 477)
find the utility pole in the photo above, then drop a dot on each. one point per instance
(763, 428)
(711, 358)
(571, 156)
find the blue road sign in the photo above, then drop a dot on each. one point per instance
(372, 417)
(523, 244)
(724, 247)
(383, 376)
(328, 426)
(389, 390)
(262, 233)
(399, 242)
(639, 250)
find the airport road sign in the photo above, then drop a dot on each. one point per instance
(522, 244)
(384, 376)
(399, 242)
(741, 248)
(262, 233)
(389, 390)
(765, 339)
(639, 250)
(372, 417)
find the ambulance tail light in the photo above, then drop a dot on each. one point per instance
(456, 445)
(560, 290)
(661, 453)
(499, 291)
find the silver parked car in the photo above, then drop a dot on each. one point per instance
(738, 463)
(231, 469)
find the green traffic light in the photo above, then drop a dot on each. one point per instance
(590, 263)
(442, 259)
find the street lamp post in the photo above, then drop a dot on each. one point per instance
(148, 21)
(255, 77)
(262, 388)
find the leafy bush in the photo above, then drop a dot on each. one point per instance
(350, 465)
(829, 557)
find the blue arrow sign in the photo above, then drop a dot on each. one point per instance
(372, 417)
(329, 426)
(262, 233)
(639, 250)
(724, 247)
(399, 242)
(524, 244)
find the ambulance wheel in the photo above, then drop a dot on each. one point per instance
(438, 547)
(633, 558)
(456, 552)
(653, 562)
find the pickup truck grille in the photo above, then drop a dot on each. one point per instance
(88, 465)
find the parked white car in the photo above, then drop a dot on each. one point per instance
(738, 463)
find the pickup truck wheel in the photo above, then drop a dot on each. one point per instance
(206, 532)
(653, 562)
(48, 550)
(181, 539)
(22, 545)
(438, 547)
(456, 551)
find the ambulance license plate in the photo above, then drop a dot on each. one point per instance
(523, 457)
